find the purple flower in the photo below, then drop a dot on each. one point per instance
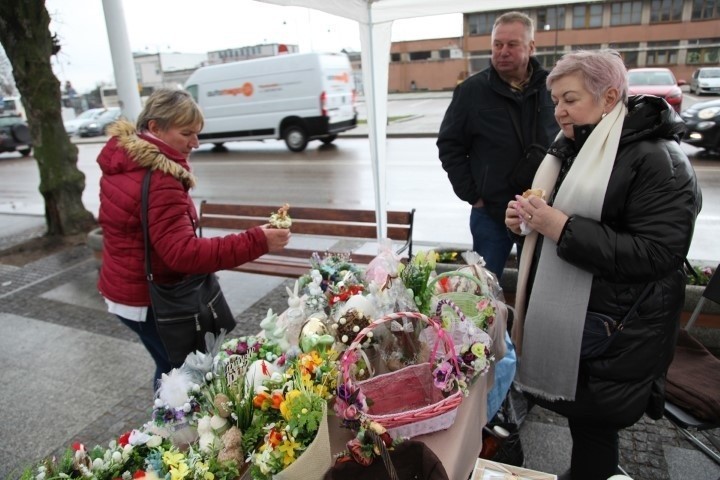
(344, 392)
(242, 348)
(444, 376)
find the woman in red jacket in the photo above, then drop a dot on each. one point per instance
(167, 131)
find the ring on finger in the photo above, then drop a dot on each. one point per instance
(529, 217)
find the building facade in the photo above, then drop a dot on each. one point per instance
(681, 35)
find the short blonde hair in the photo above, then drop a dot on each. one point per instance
(170, 108)
(519, 17)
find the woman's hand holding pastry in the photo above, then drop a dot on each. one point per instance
(277, 238)
(541, 217)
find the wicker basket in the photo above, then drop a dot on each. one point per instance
(406, 396)
(465, 301)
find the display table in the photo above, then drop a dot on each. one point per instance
(457, 447)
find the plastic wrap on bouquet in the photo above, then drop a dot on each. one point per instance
(315, 460)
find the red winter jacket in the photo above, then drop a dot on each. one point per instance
(172, 219)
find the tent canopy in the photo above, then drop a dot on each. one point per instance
(375, 18)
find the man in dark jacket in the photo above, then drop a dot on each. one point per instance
(492, 120)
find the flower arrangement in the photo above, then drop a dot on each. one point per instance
(416, 274)
(288, 414)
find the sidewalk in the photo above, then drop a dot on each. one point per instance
(74, 373)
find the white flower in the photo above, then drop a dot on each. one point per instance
(217, 422)
(208, 376)
(127, 449)
(154, 441)
(117, 457)
(195, 387)
(138, 438)
(187, 408)
(40, 476)
(126, 475)
(158, 403)
(276, 377)
(97, 464)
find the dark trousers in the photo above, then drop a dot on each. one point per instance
(147, 331)
(491, 240)
(594, 451)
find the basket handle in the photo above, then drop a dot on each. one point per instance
(454, 273)
(348, 356)
(451, 304)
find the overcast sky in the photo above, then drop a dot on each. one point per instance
(198, 26)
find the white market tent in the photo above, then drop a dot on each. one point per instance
(375, 18)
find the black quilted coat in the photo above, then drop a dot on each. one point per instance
(644, 234)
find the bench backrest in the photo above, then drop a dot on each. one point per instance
(311, 221)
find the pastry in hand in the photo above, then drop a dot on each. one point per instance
(538, 192)
(281, 218)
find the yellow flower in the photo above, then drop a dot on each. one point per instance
(287, 448)
(179, 472)
(285, 406)
(172, 459)
(202, 468)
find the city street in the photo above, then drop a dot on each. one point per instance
(340, 175)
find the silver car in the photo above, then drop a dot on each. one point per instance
(705, 80)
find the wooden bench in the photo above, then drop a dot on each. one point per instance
(309, 224)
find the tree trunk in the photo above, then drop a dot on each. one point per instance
(25, 35)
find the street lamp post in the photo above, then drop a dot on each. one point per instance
(555, 47)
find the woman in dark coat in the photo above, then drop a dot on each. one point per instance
(622, 199)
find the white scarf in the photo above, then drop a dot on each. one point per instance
(549, 336)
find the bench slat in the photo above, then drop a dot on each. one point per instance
(322, 222)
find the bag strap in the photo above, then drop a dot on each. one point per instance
(635, 306)
(144, 221)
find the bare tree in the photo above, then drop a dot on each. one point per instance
(25, 35)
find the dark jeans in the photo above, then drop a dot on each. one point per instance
(147, 331)
(491, 240)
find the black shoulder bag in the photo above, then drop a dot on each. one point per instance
(186, 310)
(523, 173)
(600, 329)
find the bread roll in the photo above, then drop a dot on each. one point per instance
(538, 192)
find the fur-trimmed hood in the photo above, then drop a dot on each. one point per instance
(145, 152)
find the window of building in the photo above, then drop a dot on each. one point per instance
(414, 56)
(479, 60)
(628, 51)
(585, 47)
(394, 57)
(587, 16)
(552, 17)
(444, 53)
(705, 9)
(481, 23)
(547, 56)
(703, 51)
(662, 53)
(625, 13)
(662, 11)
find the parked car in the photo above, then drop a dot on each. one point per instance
(72, 126)
(703, 125)
(656, 81)
(705, 80)
(98, 126)
(15, 135)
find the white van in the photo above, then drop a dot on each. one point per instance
(296, 97)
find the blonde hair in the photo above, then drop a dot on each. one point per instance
(519, 17)
(170, 108)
